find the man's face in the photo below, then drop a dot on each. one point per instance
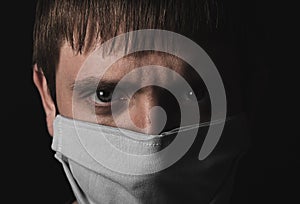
(91, 95)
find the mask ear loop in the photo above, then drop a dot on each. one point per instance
(194, 126)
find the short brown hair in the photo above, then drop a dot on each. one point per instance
(80, 22)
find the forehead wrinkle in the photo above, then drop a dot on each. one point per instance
(136, 60)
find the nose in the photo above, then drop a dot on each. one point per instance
(146, 113)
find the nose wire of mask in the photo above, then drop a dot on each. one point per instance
(93, 183)
(194, 126)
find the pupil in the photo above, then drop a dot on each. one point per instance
(104, 96)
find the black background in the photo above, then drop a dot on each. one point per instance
(269, 173)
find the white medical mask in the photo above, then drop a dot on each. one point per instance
(188, 180)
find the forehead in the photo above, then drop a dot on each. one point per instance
(74, 66)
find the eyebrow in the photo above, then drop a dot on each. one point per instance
(88, 85)
(91, 84)
(193, 77)
(94, 83)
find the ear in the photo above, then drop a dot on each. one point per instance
(47, 101)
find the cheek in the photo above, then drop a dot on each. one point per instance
(63, 99)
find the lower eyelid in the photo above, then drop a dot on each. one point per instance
(92, 101)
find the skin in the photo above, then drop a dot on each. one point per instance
(139, 106)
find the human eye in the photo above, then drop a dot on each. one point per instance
(99, 97)
(105, 97)
(102, 97)
(193, 95)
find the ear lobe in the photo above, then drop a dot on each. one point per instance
(47, 101)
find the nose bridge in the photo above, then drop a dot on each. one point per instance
(144, 114)
(140, 107)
